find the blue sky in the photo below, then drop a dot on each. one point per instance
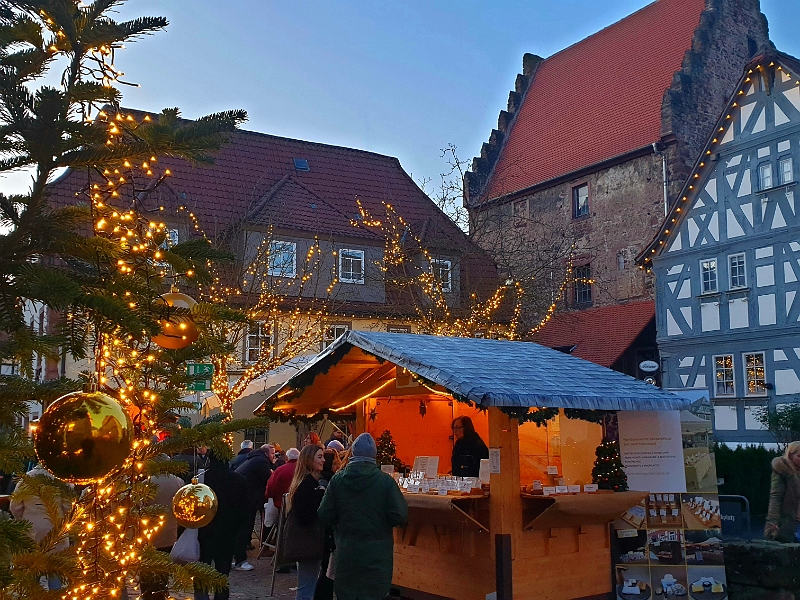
(399, 78)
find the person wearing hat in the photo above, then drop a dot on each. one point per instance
(363, 505)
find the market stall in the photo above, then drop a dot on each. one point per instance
(539, 496)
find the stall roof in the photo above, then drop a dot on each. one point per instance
(488, 372)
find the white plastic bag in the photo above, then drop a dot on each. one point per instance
(331, 572)
(271, 513)
(186, 549)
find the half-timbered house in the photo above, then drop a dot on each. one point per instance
(727, 259)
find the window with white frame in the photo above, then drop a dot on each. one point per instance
(9, 368)
(765, 176)
(786, 170)
(708, 275)
(351, 266)
(442, 273)
(723, 375)
(520, 209)
(333, 332)
(258, 340)
(583, 284)
(755, 374)
(282, 259)
(736, 271)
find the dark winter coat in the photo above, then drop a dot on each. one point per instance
(240, 458)
(467, 455)
(784, 498)
(363, 505)
(196, 463)
(232, 511)
(256, 468)
(306, 500)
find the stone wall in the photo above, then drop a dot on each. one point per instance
(761, 570)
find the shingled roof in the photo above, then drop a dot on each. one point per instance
(596, 100)
(254, 175)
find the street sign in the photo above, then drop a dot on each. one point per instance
(196, 370)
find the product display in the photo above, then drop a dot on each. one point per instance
(663, 510)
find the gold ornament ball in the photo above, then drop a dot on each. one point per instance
(83, 436)
(194, 505)
(177, 331)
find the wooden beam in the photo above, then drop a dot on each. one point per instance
(359, 386)
(505, 499)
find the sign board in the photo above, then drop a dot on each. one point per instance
(428, 465)
(648, 366)
(195, 370)
(494, 460)
(651, 449)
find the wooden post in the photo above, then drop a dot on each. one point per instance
(505, 500)
(503, 572)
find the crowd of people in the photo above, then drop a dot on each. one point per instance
(338, 507)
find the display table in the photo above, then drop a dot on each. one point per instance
(546, 512)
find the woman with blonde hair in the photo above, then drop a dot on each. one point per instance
(303, 500)
(783, 514)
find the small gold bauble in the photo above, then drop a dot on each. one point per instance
(83, 436)
(177, 331)
(194, 505)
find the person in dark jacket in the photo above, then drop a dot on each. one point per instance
(247, 448)
(197, 458)
(305, 495)
(783, 514)
(216, 542)
(468, 450)
(256, 469)
(363, 505)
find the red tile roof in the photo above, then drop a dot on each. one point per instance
(251, 164)
(597, 99)
(600, 335)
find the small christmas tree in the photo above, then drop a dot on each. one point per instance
(387, 452)
(608, 472)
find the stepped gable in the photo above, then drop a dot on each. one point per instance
(594, 101)
(250, 164)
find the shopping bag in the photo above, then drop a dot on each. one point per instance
(187, 548)
(271, 513)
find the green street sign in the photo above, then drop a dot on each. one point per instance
(196, 370)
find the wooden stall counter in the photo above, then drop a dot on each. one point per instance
(547, 512)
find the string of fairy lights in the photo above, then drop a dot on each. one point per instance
(705, 163)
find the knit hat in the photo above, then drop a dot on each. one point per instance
(365, 446)
(292, 454)
(336, 445)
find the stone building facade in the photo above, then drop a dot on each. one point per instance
(598, 139)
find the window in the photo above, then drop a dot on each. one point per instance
(441, 270)
(282, 259)
(520, 209)
(398, 328)
(259, 437)
(333, 332)
(351, 266)
(786, 170)
(583, 284)
(708, 273)
(9, 368)
(736, 270)
(723, 375)
(580, 201)
(754, 374)
(258, 339)
(765, 176)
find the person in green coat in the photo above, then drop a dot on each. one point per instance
(363, 505)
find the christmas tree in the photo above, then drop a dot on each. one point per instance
(387, 452)
(608, 472)
(114, 280)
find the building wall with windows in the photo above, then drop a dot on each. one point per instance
(727, 260)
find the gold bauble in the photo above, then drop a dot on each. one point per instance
(178, 331)
(194, 505)
(83, 436)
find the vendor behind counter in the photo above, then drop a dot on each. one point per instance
(468, 450)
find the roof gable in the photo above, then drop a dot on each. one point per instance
(598, 99)
(765, 104)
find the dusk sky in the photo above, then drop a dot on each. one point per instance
(398, 78)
